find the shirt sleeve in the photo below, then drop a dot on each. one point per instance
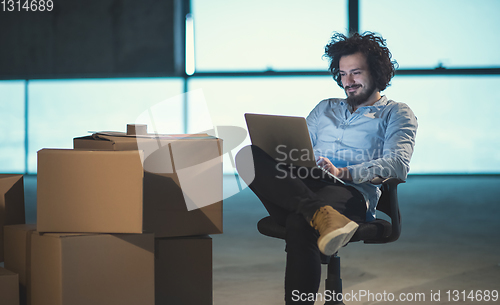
(398, 148)
(313, 120)
(312, 123)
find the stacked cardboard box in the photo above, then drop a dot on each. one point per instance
(11, 204)
(18, 256)
(11, 212)
(183, 270)
(82, 269)
(9, 287)
(96, 202)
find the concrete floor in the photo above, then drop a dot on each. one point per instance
(450, 241)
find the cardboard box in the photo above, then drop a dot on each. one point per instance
(108, 192)
(193, 162)
(89, 191)
(181, 195)
(9, 287)
(11, 203)
(97, 269)
(183, 270)
(18, 256)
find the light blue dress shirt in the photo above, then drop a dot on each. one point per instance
(373, 141)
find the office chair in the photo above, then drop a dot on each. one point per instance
(378, 231)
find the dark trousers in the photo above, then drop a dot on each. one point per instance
(292, 196)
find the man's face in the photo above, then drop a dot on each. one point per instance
(356, 78)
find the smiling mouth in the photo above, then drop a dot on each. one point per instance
(352, 88)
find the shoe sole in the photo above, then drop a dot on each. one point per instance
(333, 241)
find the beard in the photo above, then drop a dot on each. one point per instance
(361, 97)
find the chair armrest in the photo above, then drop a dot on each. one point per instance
(388, 203)
(390, 180)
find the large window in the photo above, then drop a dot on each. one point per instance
(264, 35)
(61, 110)
(266, 57)
(457, 122)
(12, 126)
(228, 99)
(429, 33)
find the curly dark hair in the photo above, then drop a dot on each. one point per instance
(378, 56)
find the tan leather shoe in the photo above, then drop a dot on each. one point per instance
(335, 230)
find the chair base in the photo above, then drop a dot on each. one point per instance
(333, 282)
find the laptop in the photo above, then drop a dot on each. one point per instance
(284, 138)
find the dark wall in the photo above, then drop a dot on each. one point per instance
(90, 38)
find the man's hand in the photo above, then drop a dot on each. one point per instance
(342, 173)
(327, 164)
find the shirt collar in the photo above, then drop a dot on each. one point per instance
(381, 102)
